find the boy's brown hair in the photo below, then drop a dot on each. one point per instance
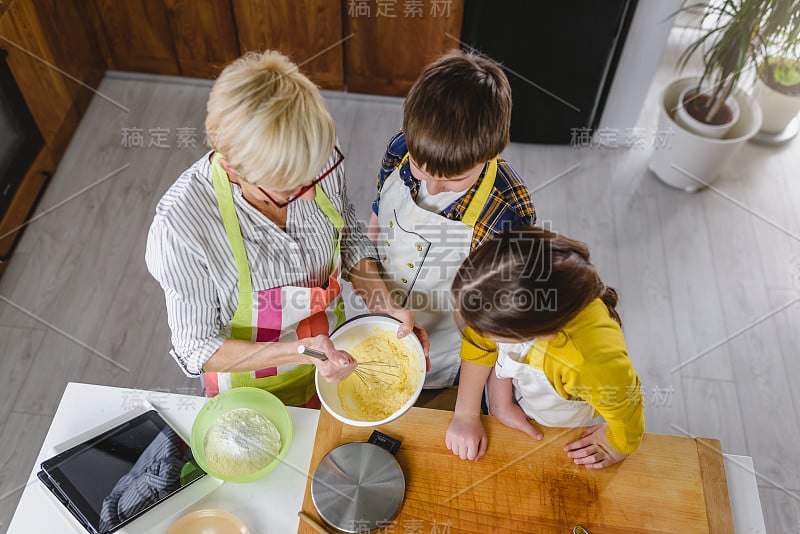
(457, 114)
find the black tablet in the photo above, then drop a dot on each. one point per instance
(113, 478)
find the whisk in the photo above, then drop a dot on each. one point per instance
(376, 372)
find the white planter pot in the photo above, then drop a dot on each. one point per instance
(690, 161)
(716, 131)
(778, 109)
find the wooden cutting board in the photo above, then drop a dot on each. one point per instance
(670, 484)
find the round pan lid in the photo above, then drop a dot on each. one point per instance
(358, 487)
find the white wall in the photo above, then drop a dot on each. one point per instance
(641, 55)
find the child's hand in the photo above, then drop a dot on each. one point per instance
(466, 436)
(592, 450)
(410, 325)
(513, 416)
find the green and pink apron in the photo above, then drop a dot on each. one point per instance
(279, 314)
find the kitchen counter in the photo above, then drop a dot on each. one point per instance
(269, 505)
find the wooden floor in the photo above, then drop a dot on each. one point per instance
(707, 273)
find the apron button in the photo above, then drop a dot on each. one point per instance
(410, 265)
(405, 281)
(419, 248)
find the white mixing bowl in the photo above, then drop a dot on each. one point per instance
(348, 336)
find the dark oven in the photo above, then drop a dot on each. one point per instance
(20, 140)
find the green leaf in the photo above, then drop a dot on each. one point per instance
(787, 75)
(740, 34)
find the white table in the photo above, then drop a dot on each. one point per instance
(269, 505)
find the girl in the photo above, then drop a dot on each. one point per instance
(535, 311)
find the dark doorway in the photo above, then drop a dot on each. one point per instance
(20, 140)
(559, 57)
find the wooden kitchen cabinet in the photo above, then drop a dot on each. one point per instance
(390, 47)
(308, 31)
(51, 64)
(138, 35)
(362, 46)
(195, 38)
(54, 60)
(22, 35)
(25, 199)
(204, 36)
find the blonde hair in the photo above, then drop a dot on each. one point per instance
(270, 122)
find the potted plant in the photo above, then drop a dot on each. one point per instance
(778, 84)
(778, 93)
(709, 115)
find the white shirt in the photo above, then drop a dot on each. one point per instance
(436, 203)
(188, 252)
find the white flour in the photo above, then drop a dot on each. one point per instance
(241, 442)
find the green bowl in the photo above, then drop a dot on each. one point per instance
(256, 399)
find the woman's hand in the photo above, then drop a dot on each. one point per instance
(592, 450)
(466, 436)
(339, 364)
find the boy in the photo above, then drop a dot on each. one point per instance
(443, 190)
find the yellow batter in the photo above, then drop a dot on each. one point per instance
(377, 395)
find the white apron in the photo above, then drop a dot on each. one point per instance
(533, 391)
(420, 253)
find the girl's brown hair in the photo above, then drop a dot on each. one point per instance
(526, 283)
(457, 115)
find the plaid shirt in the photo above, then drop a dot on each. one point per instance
(509, 203)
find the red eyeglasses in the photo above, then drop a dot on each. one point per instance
(305, 188)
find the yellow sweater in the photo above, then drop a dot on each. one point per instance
(587, 361)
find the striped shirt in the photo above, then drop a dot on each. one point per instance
(509, 203)
(189, 254)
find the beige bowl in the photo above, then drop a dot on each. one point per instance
(208, 522)
(347, 337)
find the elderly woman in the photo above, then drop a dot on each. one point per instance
(250, 244)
